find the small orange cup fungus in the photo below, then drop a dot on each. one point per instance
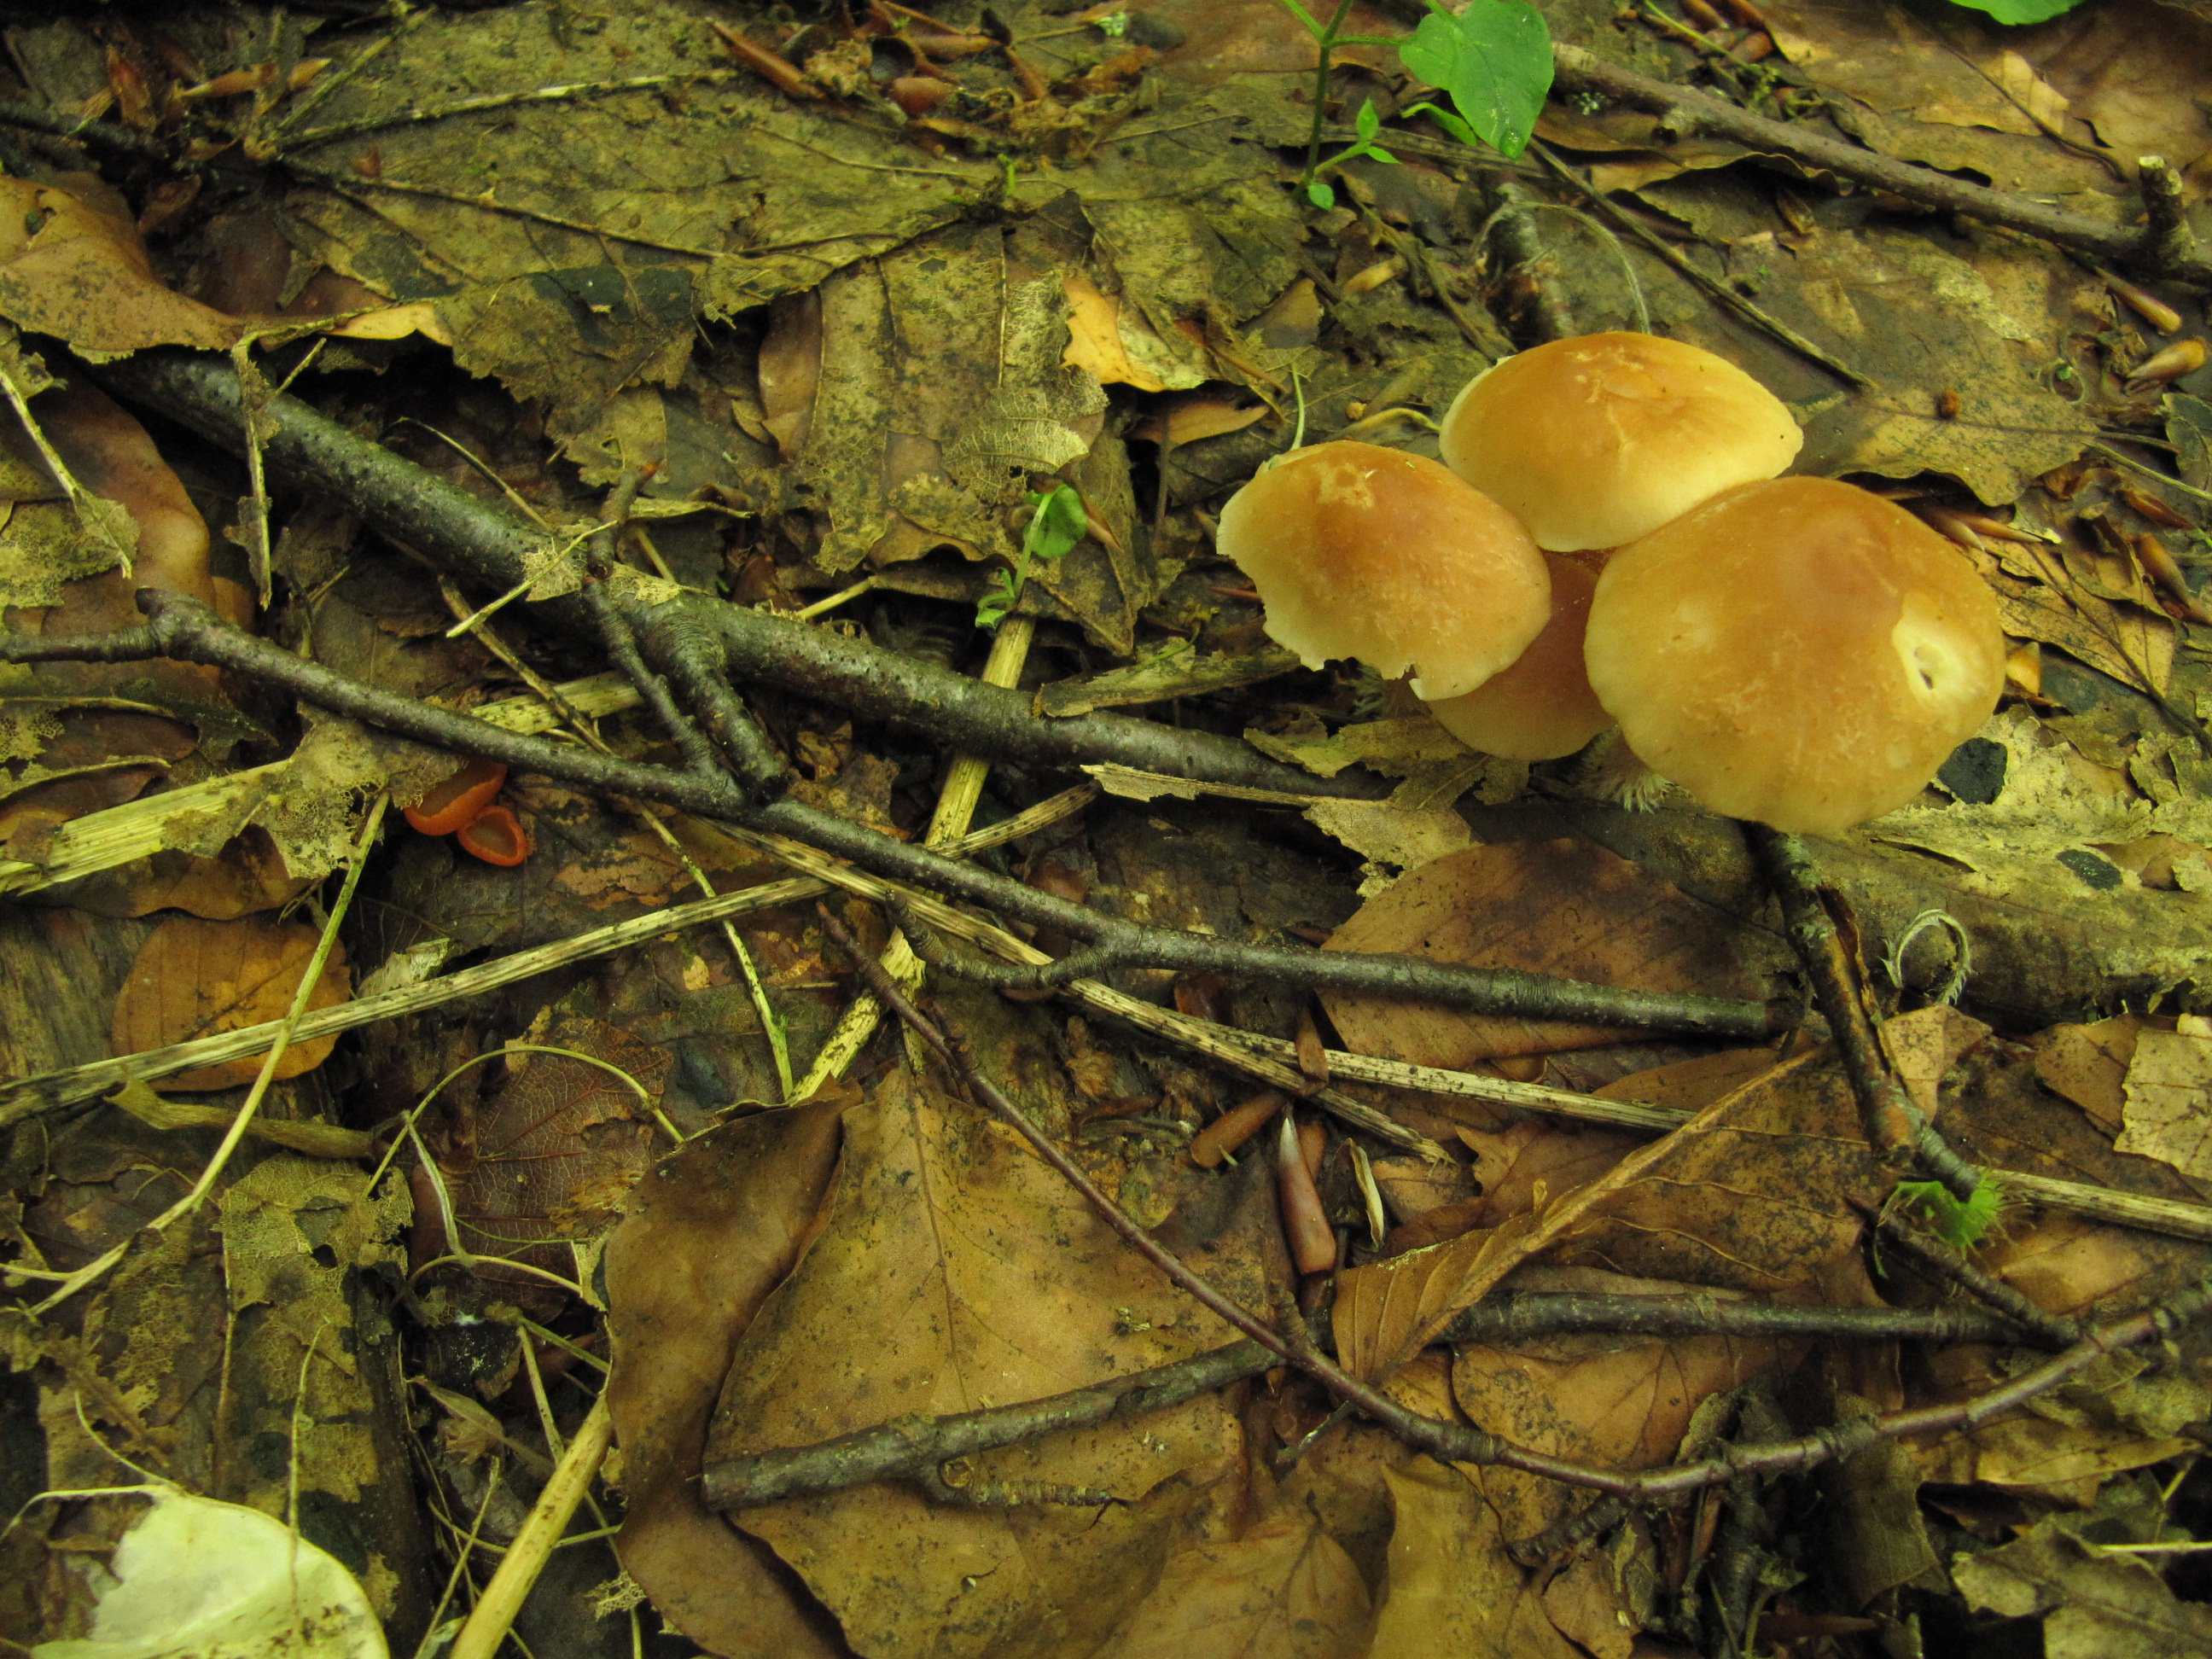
(454, 803)
(496, 836)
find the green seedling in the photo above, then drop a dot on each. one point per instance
(1318, 191)
(1058, 523)
(1493, 60)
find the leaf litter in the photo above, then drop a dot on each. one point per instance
(871, 351)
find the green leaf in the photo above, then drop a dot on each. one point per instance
(1367, 123)
(1060, 524)
(1321, 195)
(1382, 154)
(1495, 60)
(2023, 11)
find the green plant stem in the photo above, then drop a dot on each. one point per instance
(1325, 42)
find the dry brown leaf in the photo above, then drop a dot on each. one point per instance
(2169, 1082)
(713, 1230)
(193, 978)
(1524, 1166)
(957, 1271)
(71, 264)
(555, 1153)
(1451, 1587)
(1280, 1589)
(1695, 1083)
(2088, 1065)
(1585, 1604)
(1565, 908)
(1621, 1405)
(1924, 1044)
(1751, 1195)
(2040, 598)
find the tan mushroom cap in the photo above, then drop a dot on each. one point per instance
(1542, 707)
(1597, 440)
(1361, 552)
(1798, 651)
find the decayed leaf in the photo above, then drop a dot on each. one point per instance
(1451, 1588)
(71, 264)
(1177, 670)
(297, 1235)
(1118, 348)
(556, 1153)
(711, 1232)
(2169, 1082)
(2095, 1606)
(1390, 837)
(957, 1271)
(2051, 802)
(1281, 1587)
(194, 978)
(1564, 908)
(43, 546)
(194, 1575)
(2088, 1065)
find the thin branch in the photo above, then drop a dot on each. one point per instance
(2169, 243)
(1939, 1258)
(908, 1448)
(81, 129)
(1712, 284)
(186, 630)
(1684, 110)
(1893, 1124)
(493, 550)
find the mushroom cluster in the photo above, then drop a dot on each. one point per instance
(1609, 544)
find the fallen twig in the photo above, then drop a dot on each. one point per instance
(487, 1625)
(1684, 109)
(1893, 1125)
(1947, 1263)
(186, 630)
(1806, 348)
(908, 1447)
(493, 549)
(1451, 1442)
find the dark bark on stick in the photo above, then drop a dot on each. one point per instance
(906, 1448)
(489, 547)
(1893, 1125)
(186, 630)
(1687, 111)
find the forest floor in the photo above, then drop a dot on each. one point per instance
(651, 1190)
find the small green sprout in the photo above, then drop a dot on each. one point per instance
(1056, 525)
(1367, 125)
